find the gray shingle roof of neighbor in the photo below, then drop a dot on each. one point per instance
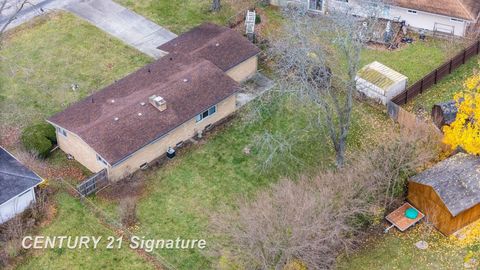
(456, 180)
(224, 47)
(15, 178)
(118, 120)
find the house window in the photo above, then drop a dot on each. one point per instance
(315, 4)
(206, 113)
(61, 131)
(456, 20)
(412, 11)
(100, 159)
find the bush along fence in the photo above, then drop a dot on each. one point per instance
(435, 76)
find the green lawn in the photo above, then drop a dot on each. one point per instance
(39, 62)
(445, 89)
(179, 16)
(73, 219)
(42, 59)
(414, 60)
(397, 251)
(181, 194)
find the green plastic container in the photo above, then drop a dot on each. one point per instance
(411, 213)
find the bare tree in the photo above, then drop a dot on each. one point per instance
(216, 5)
(312, 219)
(318, 58)
(9, 10)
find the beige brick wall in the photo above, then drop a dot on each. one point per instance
(80, 150)
(160, 147)
(245, 70)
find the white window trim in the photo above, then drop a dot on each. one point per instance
(316, 10)
(61, 131)
(201, 114)
(101, 160)
(457, 20)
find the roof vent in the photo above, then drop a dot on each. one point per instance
(185, 80)
(112, 101)
(142, 103)
(158, 102)
(116, 118)
(217, 44)
(139, 114)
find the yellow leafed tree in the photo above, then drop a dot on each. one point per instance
(464, 132)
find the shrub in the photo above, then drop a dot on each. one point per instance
(39, 139)
(258, 19)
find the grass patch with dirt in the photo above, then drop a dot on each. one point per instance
(398, 251)
(73, 219)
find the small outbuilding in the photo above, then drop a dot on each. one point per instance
(17, 184)
(448, 193)
(380, 82)
(444, 113)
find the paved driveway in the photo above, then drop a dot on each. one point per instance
(107, 15)
(122, 23)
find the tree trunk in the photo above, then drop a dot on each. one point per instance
(216, 5)
(340, 154)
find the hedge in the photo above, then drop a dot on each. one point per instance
(39, 139)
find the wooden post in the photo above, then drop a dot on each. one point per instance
(464, 56)
(450, 66)
(406, 97)
(421, 86)
(436, 74)
(478, 47)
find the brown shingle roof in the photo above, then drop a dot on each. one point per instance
(221, 45)
(93, 118)
(464, 9)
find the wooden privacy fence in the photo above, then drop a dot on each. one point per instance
(94, 183)
(435, 76)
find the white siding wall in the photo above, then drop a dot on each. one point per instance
(420, 20)
(424, 20)
(16, 205)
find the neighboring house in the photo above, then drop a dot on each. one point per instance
(448, 16)
(380, 82)
(17, 186)
(137, 119)
(225, 48)
(448, 193)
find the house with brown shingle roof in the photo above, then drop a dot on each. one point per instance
(225, 48)
(447, 16)
(139, 118)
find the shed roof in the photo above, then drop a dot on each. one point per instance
(114, 122)
(463, 9)
(456, 180)
(15, 178)
(380, 75)
(222, 46)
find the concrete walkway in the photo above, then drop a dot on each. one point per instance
(110, 17)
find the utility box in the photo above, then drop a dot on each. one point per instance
(380, 82)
